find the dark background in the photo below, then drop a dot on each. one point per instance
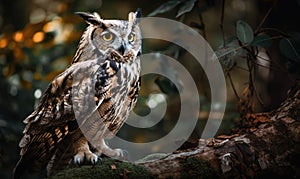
(38, 39)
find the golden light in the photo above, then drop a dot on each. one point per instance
(3, 43)
(47, 27)
(38, 37)
(18, 37)
(54, 25)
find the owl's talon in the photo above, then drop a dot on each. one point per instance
(93, 158)
(94, 161)
(87, 155)
(114, 153)
(118, 154)
(99, 159)
(78, 158)
(122, 154)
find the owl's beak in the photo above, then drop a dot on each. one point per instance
(122, 48)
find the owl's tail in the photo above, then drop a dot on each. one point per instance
(55, 161)
(31, 162)
(34, 155)
(52, 148)
(20, 169)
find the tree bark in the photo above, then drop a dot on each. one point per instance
(270, 147)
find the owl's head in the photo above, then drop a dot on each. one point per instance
(120, 35)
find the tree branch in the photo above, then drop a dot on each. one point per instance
(271, 147)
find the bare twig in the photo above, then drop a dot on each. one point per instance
(232, 85)
(242, 68)
(275, 30)
(222, 21)
(251, 68)
(201, 21)
(265, 17)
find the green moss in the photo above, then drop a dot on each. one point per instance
(197, 168)
(108, 168)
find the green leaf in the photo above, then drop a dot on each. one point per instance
(244, 32)
(186, 7)
(168, 6)
(290, 47)
(262, 41)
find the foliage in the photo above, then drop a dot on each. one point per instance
(185, 6)
(247, 45)
(244, 32)
(262, 40)
(165, 7)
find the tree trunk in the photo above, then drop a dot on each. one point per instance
(269, 148)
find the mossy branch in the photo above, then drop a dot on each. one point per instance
(270, 147)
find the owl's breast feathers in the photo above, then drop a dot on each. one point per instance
(92, 96)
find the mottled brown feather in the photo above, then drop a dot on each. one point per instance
(93, 97)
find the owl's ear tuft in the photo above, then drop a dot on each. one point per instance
(138, 13)
(134, 17)
(93, 19)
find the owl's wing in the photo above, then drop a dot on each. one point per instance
(55, 117)
(47, 126)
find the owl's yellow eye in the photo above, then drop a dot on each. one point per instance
(108, 37)
(131, 37)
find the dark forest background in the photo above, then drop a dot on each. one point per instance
(38, 39)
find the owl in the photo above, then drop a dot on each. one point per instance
(88, 102)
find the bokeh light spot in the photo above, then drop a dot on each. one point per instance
(18, 37)
(37, 93)
(3, 43)
(38, 37)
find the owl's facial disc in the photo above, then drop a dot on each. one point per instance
(122, 48)
(117, 38)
